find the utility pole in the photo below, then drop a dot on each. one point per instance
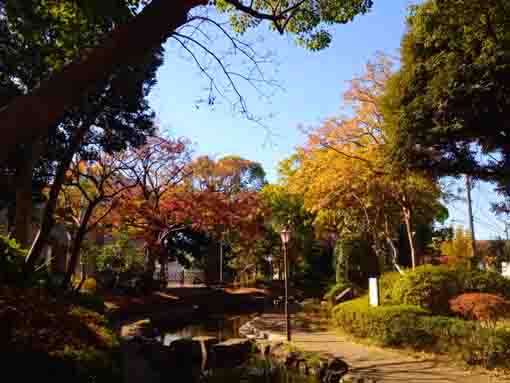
(471, 220)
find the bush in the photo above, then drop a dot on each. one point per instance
(482, 307)
(481, 281)
(430, 287)
(412, 326)
(387, 281)
(68, 342)
(89, 301)
(335, 290)
(89, 286)
(391, 325)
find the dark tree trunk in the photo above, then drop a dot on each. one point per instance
(76, 246)
(47, 219)
(23, 215)
(23, 187)
(28, 117)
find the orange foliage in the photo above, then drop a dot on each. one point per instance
(479, 306)
(32, 318)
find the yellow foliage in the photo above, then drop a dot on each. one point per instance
(458, 250)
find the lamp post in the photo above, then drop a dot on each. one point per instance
(285, 237)
(221, 229)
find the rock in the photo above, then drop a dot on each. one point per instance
(263, 347)
(302, 367)
(231, 352)
(206, 344)
(185, 352)
(335, 370)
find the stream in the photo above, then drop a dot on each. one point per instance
(256, 370)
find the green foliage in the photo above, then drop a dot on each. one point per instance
(309, 22)
(89, 301)
(412, 326)
(121, 255)
(12, 258)
(430, 287)
(483, 281)
(387, 282)
(452, 90)
(391, 325)
(457, 251)
(336, 289)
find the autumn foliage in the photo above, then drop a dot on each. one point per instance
(486, 308)
(33, 319)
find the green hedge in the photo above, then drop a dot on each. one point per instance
(480, 281)
(430, 287)
(412, 326)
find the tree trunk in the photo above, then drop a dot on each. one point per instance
(410, 235)
(23, 187)
(78, 239)
(47, 220)
(23, 215)
(29, 117)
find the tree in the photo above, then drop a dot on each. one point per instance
(449, 102)
(458, 251)
(348, 179)
(119, 114)
(93, 189)
(229, 175)
(29, 116)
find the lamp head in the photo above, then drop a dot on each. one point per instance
(285, 235)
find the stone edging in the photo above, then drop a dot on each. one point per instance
(324, 367)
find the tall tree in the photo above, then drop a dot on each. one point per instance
(117, 109)
(450, 101)
(345, 168)
(93, 189)
(29, 116)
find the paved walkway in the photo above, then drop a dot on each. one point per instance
(377, 364)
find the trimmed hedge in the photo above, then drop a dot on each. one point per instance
(480, 281)
(412, 326)
(387, 281)
(430, 287)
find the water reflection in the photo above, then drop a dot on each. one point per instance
(255, 370)
(222, 328)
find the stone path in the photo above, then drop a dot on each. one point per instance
(377, 364)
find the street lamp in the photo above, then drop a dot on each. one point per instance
(221, 229)
(285, 237)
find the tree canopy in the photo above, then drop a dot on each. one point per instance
(450, 101)
(125, 22)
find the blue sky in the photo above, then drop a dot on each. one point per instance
(312, 85)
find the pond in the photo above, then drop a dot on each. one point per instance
(220, 327)
(255, 370)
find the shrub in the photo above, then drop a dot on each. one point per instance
(335, 290)
(481, 281)
(42, 330)
(482, 307)
(430, 287)
(89, 286)
(391, 325)
(412, 326)
(387, 281)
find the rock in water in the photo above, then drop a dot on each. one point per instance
(231, 352)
